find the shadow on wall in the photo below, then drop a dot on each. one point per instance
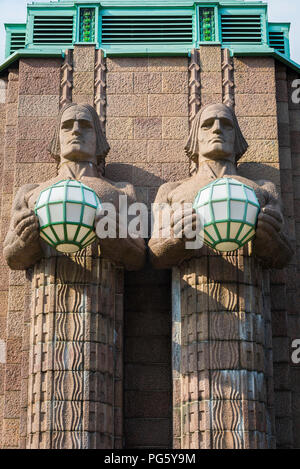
(139, 177)
(133, 174)
(256, 171)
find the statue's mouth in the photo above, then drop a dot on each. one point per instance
(217, 140)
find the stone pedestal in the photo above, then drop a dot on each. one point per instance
(222, 353)
(75, 369)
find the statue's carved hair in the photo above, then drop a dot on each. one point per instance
(192, 145)
(102, 147)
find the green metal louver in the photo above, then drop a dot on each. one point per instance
(276, 40)
(147, 29)
(241, 29)
(53, 30)
(17, 41)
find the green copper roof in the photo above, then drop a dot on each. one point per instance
(147, 27)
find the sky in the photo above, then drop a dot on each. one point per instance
(14, 11)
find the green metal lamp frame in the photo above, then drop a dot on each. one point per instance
(82, 244)
(213, 243)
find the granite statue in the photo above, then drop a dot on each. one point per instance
(80, 148)
(214, 146)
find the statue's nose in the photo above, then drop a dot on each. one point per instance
(76, 128)
(217, 127)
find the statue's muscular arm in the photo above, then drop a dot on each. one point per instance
(272, 244)
(130, 252)
(167, 251)
(22, 246)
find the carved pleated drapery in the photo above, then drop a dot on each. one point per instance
(75, 370)
(222, 353)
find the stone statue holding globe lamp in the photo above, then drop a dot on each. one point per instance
(214, 146)
(80, 148)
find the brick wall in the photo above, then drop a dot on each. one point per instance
(255, 106)
(32, 105)
(293, 290)
(3, 312)
(147, 124)
(148, 111)
(11, 377)
(147, 121)
(147, 360)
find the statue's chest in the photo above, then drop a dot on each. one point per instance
(188, 190)
(107, 193)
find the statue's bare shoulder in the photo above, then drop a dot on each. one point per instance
(164, 192)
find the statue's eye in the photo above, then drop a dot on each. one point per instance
(67, 125)
(227, 124)
(207, 124)
(86, 124)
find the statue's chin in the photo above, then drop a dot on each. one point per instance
(217, 151)
(220, 155)
(77, 155)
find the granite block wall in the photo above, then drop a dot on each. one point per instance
(147, 121)
(148, 104)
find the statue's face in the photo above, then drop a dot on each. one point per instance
(77, 135)
(216, 133)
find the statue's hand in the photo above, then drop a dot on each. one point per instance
(269, 224)
(271, 244)
(26, 225)
(184, 226)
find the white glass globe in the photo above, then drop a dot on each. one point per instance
(66, 213)
(229, 211)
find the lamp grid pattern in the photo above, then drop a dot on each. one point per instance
(66, 213)
(229, 211)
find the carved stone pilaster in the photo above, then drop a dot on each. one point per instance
(100, 87)
(75, 370)
(66, 79)
(194, 85)
(227, 78)
(222, 354)
(194, 93)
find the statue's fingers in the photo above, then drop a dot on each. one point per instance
(33, 236)
(176, 217)
(180, 215)
(28, 234)
(273, 213)
(27, 222)
(22, 216)
(268, 228)
(263, 217)
(186, 227)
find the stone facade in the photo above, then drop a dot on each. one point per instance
(148, 105)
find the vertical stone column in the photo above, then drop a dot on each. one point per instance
(292, 177)
(228, 78)
(3, 301)
(11, 333)
(221, 318)
(66, 83)
(211, 74)
(83, 74)
(283, 282)
(75, 369)
(100, 87)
